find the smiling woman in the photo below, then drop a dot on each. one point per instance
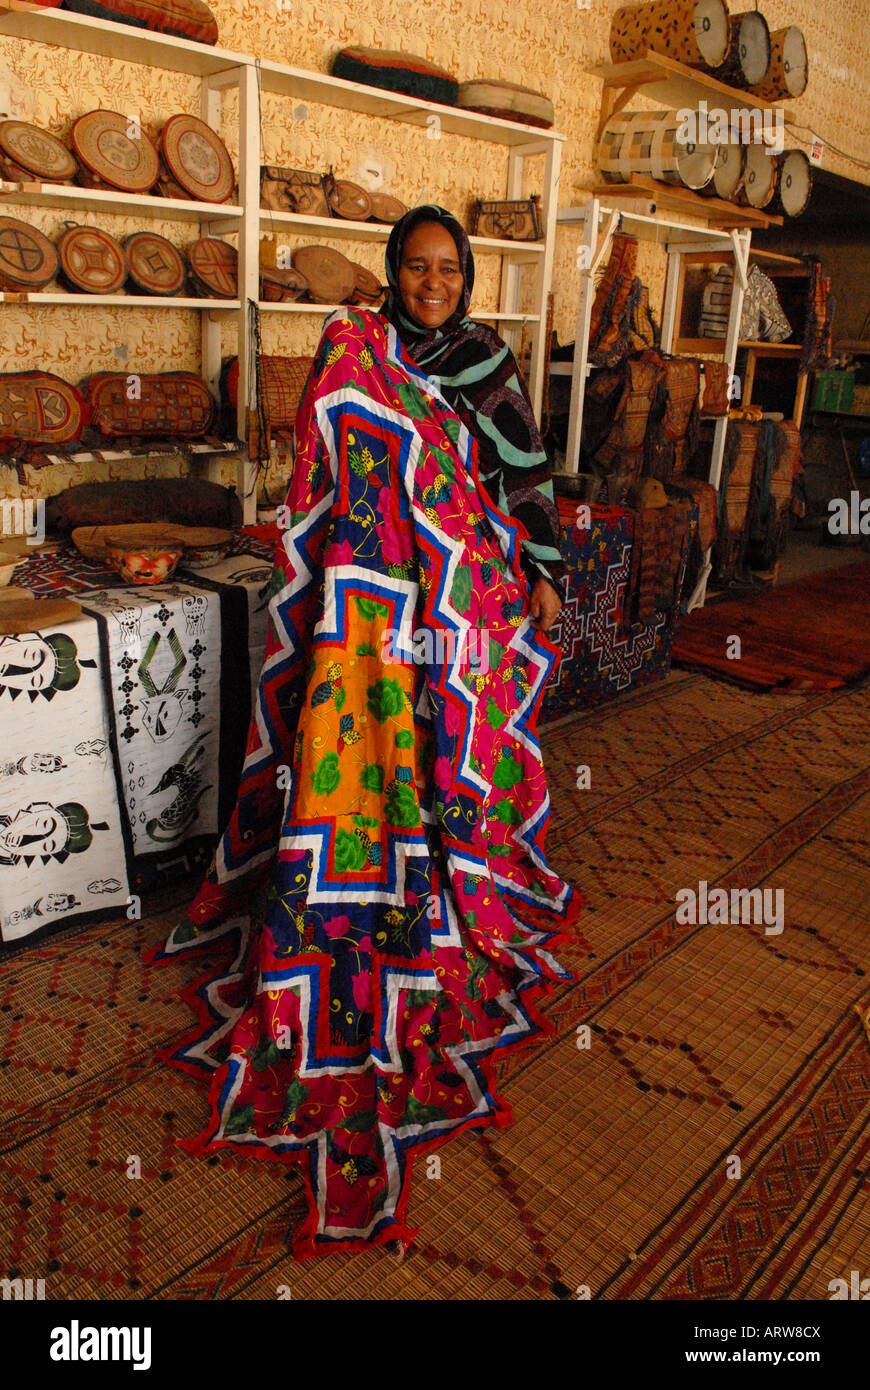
(382, 882)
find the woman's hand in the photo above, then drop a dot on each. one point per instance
(546, 605)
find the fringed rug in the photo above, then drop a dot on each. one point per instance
(712, 1141)
(813, 634)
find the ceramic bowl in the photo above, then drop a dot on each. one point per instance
(144, 564)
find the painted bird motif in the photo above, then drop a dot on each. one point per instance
(185, 776)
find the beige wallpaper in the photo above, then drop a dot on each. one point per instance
(547, 46)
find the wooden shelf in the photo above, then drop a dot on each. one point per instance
(860, 346)
(156, 452)
(346, 229)
(648, 227)
(662, 79)
(123, 301)
(667, 195)
(295, 307)
(706, 347)
(306, 85)
(83, 34)
(64, 195)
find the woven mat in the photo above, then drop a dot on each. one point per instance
(813, 634)
(706, 1042)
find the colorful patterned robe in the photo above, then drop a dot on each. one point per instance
(381, 886)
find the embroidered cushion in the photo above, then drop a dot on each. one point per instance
(166, 403)
(39, 408)
(186, 19)
(396, 72)
(506, 100)
(185, 501)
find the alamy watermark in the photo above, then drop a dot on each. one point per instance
(23, 516)
(745, 126)
(427, 648)
(850, 518)
(739, 907)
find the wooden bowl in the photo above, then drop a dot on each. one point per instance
(8, 563)
(203, 545)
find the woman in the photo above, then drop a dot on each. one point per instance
(381, 886)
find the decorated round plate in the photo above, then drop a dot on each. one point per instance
(92, 261)
(156, 267)
(277, 284)
(101, 141)
(28, 260)
(368, 288)
(386, 208)
(216, 264)
(38, 151)
(197, 159)
(330, 275)
(349, 200)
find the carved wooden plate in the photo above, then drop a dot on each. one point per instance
(367, 287)
(197, 159)
(36, 614)
(156, 267)
(347, 199)
(386, 208)
(38, 151)
(28, 260)
(92, 261)
(215, 266)
(330, 275)
(101, 141)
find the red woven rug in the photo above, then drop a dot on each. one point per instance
(813, 634)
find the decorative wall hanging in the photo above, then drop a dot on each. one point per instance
(91, 261)
(168, 404)
(715, 377)
(28, 260)
(646, 142)
(37, 153)
(516, 220)
(156, 267)
(108, 154)
(331, 276)
(788, 72)
(762, 316)
(292, 190)
(507, 101)
(39, 408)
(214, 269)
(608, 338)
(697, 32)
(396, 72)
(197, 159)
(185, 19)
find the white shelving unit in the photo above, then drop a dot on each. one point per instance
(597, 224)
(221, 70)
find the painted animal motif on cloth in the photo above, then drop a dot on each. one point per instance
(186, 777)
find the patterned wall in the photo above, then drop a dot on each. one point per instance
(547, 46)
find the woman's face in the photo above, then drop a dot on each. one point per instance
(430, 279)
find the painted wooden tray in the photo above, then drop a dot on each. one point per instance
(156, 267)
(28, 260)
(101, 141)
(92, 261)
(330, 275)
(38, 151)
(197, 159)
(215, 268)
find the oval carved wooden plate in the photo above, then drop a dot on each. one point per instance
(92, 261)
